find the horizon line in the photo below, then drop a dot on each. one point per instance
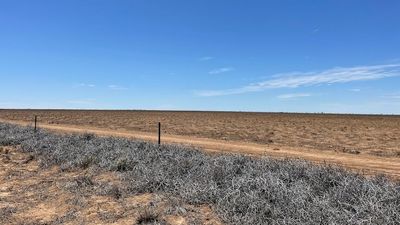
(198, 110)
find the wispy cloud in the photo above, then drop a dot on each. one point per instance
(116, 87)
(393, 96)
(355, 89)
(221, 70)
(206, 58)
(84, 85)
(294, 95)
(301, 79)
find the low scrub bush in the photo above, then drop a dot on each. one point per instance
(241, 189)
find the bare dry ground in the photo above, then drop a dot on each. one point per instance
(370, 144)
(33, 195)
(356, 134)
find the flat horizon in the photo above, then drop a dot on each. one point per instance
(210, 111)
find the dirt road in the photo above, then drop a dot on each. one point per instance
(376, 135)
(367, 164)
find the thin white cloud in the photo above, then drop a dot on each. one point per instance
(221, 70)
(301, 79)
(294, 95)
(116, 87)
(392, 96)
(355, 90)
(206, 58)
(84, 85)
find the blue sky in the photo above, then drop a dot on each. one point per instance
(290, 56)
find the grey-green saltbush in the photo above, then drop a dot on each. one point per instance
(241, 189)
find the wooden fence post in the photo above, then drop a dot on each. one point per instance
(159, 133)
(35, 123)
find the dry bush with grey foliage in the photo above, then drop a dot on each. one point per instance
(240, 189)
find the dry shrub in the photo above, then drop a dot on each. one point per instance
(240, 189)
(149, 216)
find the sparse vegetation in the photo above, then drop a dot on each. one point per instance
(6, 212)
(149, 216)
(241, 189)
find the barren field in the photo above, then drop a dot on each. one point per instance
(354, 134)
(366, 144)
